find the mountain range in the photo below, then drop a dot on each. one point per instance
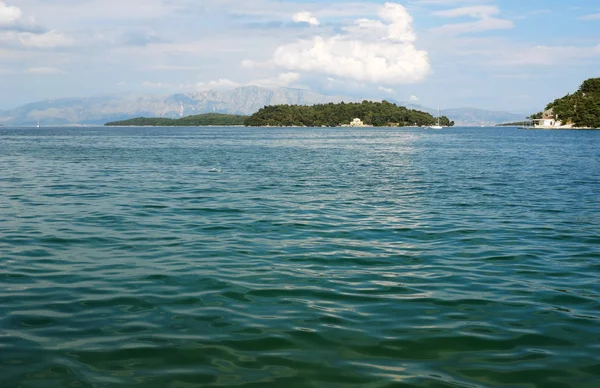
(243, 100)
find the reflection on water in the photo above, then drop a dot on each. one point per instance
(316, 257)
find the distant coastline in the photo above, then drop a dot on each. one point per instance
(367, 113)
(207, 119)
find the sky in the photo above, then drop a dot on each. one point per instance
(512, 55)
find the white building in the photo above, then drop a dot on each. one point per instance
(547, 122)
(355, 123)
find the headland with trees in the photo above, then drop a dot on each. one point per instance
(189, 121)
(580, 110)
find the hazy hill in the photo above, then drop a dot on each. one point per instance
(469, 117)
(243, 101)
(99, 110)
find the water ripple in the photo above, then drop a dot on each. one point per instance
(316, 258)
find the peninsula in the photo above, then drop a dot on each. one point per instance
(189, 121)
(376, 114)
(580, 110)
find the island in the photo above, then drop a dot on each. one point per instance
(189, 121)
(514, 124)
(580, 110)
(367, 113)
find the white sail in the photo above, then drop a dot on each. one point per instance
(437, 126)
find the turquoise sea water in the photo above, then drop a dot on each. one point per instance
(201, 257)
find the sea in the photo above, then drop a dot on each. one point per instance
(299, 257)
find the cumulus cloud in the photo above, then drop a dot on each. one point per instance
(18, 29)
(413, 98)
(484, 13)
(13, 19)
(378, 51)
(306, 17)
(9, 14)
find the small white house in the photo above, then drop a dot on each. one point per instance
(547, 122)
(357, 123)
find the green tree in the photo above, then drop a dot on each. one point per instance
(372, 113)
(581, 108)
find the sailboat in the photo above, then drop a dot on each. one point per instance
(38, 123)
(437, 126)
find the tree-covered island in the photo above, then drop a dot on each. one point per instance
(189, 121)
(578, 110)
(378, 114)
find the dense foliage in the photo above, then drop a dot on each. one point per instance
(332, 115)
(581, 108)
(514, 124)
(189, 121)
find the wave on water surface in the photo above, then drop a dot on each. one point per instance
(318, 258)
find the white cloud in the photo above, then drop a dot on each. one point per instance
(306, 17)
(547, 55)
(50, 39)
(174, 68)
(451, 2)
(378, 51)
(67, 13)
(480, 11)
(386, 90)
(249, 64)
(595, 16)
(219, 84)
(9, 14)
(17, 29)
(44, 70)
(253, 65)
(281, 10)
(413, 98)
(283, 79)
(13, 19)
(155, 85)
(486, 20)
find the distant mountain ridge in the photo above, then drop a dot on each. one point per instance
(244, 100)
(101, 109)
(469, 117)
